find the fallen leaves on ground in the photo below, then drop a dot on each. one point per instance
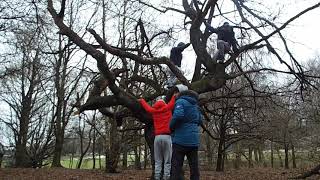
(82, 174)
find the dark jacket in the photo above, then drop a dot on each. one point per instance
(176, 54)
(225, 33)
(185, 120)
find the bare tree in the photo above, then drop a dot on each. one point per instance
(212, 78)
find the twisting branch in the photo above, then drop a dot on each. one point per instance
(62, 9)
(299, 75)
(162, 10)
(248, 46)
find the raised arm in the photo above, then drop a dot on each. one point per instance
(210, 28)
(171, 102)
(146, 106)
(181, 48)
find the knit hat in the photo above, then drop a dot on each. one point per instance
(181, 44)
(160, 98)
(182, 87)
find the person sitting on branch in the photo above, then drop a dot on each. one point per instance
(225, 40)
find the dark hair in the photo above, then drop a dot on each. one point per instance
(189, 93)
(181, 44)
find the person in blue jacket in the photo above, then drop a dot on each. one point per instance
(184, 126)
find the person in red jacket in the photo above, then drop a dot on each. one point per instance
(161, 115)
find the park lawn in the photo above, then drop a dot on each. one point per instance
(86, 163)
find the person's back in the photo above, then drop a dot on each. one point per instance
(225, 33)
(161, 115)
(186, 119)
(184, 125)
(226, 40)
(176, 53)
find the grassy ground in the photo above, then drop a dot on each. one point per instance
(86, 163)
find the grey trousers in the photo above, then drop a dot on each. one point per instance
(172, 79)
(223, 47)
(162, 153)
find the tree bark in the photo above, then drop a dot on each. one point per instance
(237, 160)
(279, 156)
(250, 157)
(145, 156)
(220, 158)
(124, 157)
(149, 137)
(114, 147)
(294, 165)
(137, 162)
(94, 149)
(256, 157)
(1, 157)
(271, 153)
(261, 155)
(209, 151)
(286, 157)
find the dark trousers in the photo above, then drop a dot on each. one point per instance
(178, 154)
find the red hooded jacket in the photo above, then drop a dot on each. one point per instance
(161, 114)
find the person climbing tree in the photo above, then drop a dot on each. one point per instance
(176, 58)
(184, 125)
(225, 40)
(161, 115)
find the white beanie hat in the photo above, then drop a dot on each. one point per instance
(182, 87)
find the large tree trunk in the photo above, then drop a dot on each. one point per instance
(57, 151)
(99, 152)
(137, 162)
(294, 165)
(280, 158)
(114, 147)
(286, 157)
(145, 156)
(220, 158)
(72, 154)
(250, 157)
(209, 151)
(261, 155)
(1, 156)
(149, 137)
(237, 160)
(94, 141)
(256, 157)
(271, 153)
(124, 157)
(21, 156)
(94, 149)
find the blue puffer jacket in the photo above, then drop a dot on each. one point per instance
(185, 120)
